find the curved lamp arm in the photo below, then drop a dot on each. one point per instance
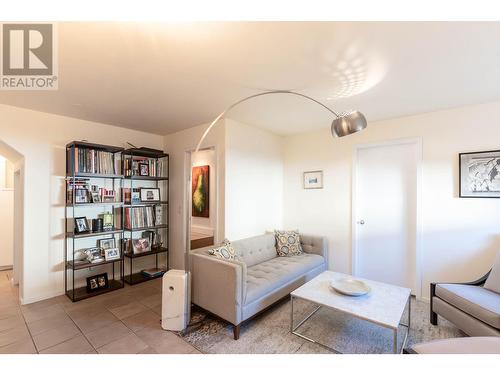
(254, 96)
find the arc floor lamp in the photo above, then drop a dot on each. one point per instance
(342, 125)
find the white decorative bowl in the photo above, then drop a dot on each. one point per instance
(350, 287)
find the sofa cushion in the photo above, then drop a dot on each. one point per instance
(225, 251)
(288, 243)
(255, 250)
(265, 277)
(493, 281)
(477, 301)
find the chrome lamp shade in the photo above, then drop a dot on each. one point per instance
(348, 123)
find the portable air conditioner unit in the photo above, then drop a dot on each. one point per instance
(175, 306)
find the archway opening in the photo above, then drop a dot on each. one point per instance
(12, 220)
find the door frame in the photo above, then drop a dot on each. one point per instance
(187, 197)
(418, 230)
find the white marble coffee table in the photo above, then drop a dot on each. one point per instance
(384, 305)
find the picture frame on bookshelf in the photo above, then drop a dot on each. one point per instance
(108, 196)
(143, 169)
(81, 225)
(81, 196)
(112, 254)
(106, 243)
(96, 198)
(150, 195)
(140, 245)
(97, 282)
(107, 221)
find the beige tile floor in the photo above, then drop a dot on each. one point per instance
(119, 322)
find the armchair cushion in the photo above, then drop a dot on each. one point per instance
(461, 345)
(477, 301)
(493, 281)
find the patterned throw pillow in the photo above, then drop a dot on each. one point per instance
(225, 251)
(288, 243)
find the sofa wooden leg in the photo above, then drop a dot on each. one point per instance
(433, 315)
(434, 318)
(236, 332)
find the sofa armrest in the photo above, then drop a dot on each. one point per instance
(314, 245)
(218, 286)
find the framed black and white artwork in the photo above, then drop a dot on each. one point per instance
(479, 174)
(313, 180)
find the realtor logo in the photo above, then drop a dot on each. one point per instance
(28, 57)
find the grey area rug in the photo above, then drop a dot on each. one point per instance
(269, 333)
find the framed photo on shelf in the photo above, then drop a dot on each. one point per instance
(81, 225)
(111, 254)
(107, 221)
(96, 198)
(143, 169)
(150, 194)
(479, 174)
(140, 245)
(107, 243)
(313, 180)
(97, 282)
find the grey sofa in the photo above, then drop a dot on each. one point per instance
(471, 307)
(237, 290)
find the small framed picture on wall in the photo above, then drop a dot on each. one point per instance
(313, 180)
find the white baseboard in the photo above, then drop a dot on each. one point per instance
(26, 301)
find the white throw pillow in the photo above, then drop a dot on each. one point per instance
(493, 281)
(225, 251)
(288, 243)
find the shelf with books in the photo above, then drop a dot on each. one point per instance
(145, 210)
(145, 178)
(83, 158)
(93, 182)
(142, 204)
(95, 175)
(90, 204)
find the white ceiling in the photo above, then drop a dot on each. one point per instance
(162, 78)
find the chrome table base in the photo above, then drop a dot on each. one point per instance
(293, 329)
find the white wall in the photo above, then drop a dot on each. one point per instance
(41, 139)
(178, 145)
(206, 225)
(254, 181)
(460, 236)
(7, 213)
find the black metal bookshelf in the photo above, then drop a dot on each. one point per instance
(157, 180)
(73, 290)
(116, 178)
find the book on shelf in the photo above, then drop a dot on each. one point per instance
(142, 166)
(131, 196)
(139, 217)
(88, 160)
